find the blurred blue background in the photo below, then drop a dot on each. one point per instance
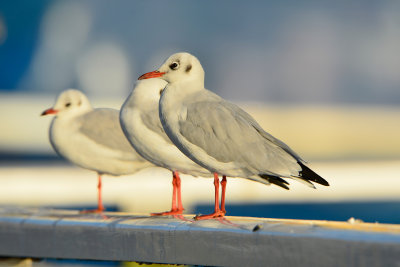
(323, 76)
(286, 51)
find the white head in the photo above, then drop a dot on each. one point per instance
(146, 93)
(71, 102)
(180, 67)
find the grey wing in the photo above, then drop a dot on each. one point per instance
(103, 127)
(229, 134)
(152, 121)
(207, 126)
(236, 110)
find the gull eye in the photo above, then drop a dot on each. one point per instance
(67, 105)
(174, 66)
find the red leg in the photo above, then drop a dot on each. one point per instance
(173, 206)
(178, 185)
(223, 184)
(176, 192)
(100, 207)
(216, 196)
(217, 212)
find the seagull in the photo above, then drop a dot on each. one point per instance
(91, 138)
(140, 121)
(219, 135)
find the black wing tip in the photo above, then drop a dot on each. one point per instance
(275, 180)
(308, 174)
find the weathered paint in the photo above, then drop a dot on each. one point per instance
(235, 241)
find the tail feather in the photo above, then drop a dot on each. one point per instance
(275, 180)
(308, 174)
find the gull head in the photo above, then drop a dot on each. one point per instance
(147, 92)
(180, 67)
(71, 101)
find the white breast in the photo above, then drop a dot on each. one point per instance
(155, 148)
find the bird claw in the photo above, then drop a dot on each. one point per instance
(166, 213)
(216, 214)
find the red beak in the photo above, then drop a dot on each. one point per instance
(49, 111)
(153, 74)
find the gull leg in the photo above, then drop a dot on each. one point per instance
(223, 185)
(100, 207)
(178, 185)
(176, 192)
(217, 212)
